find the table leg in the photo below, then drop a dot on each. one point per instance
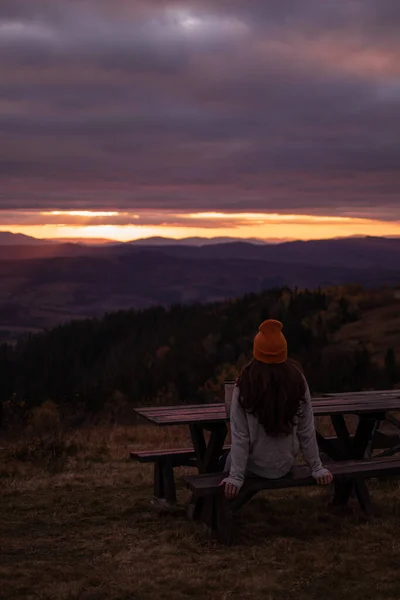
(362, 443)
(363, 497)
(214, 447)
(199, 445)
(159, 491)
(391, 419)
(389, 441)
(207, 457)
(169, 483)
(358, 448)
(164, 484)
(342, 432)
(333, 448)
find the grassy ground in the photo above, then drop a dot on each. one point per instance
(80, 527)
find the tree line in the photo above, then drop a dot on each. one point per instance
(183, 353)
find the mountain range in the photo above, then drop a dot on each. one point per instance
(18, 239)
(12, 239)
(43, 285)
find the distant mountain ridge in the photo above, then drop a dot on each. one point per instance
(366, 252)
(19, 239)
(195, 241)
(352, 252)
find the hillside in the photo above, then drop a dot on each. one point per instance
(43, 286)
(182, 354)
(22, 251)
(353, 253)
(378, 328)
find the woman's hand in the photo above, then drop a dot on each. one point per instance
(324, 479)
(231, 491)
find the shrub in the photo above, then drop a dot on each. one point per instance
(45, 440)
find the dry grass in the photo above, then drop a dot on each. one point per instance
(88, 532)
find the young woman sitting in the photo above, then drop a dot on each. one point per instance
(271, 416)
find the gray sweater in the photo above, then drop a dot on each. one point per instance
(254, 451)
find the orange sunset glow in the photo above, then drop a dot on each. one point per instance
(102, 224)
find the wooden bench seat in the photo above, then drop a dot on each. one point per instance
(217, 512)
(173, 454)
(165, 460)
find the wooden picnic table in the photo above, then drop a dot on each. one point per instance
(370, 407)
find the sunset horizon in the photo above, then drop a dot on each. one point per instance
(105, 225)
(125, 119)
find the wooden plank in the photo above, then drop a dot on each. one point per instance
(315, 402)
(152, 455)
(180, 415)
(170, 409)
(151, 409)
(319, 410)
(300, 475)
(367, 393)
(366, 406)
(189, 420)
(358, 402)
(179, 411)
(318, 402)
(345, 400)
(378, 394)
(218, 417)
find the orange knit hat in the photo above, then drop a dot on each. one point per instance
(270, 344)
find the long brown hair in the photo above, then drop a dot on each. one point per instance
(273, 393)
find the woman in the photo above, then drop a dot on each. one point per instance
(271, 415)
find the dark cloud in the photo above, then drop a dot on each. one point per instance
(272, 105)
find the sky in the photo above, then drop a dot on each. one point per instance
(247, 118)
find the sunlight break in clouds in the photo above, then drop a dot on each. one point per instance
(80, 213)
(274, 217)
(124, 226)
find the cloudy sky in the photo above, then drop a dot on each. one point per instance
(267, 118)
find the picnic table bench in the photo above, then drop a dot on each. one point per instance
(371, 409)
(217, 513)
(164, 463)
